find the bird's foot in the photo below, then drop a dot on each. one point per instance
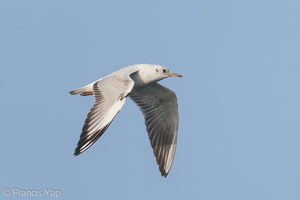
(86, 93)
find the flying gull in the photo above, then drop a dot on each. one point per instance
(157, 103)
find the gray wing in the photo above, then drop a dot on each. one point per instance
(159, 106)
(110, 94)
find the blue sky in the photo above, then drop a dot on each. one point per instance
(239, 99)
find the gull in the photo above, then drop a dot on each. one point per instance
(157, 103)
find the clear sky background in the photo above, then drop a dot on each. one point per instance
(239, 99)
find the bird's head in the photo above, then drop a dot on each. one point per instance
(165, 72)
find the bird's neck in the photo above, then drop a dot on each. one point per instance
(142, 79)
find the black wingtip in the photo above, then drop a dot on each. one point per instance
(164, 174)
(77, 152)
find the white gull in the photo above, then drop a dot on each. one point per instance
(157, 103)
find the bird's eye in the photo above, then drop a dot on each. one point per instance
(164, 70)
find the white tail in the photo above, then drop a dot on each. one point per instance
(87, 88)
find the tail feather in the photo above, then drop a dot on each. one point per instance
(87, 88)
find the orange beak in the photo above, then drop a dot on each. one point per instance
(175, 75)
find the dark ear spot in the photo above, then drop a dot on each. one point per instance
(156, 70)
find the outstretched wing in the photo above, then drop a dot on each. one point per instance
(159, 106)
(110, 94)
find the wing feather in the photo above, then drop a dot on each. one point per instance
(159, 106)
(110, 94)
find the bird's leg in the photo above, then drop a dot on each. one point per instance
(86, 93)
